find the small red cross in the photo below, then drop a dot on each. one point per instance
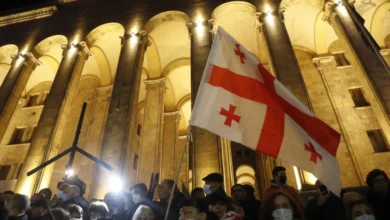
(314, 154)
(240, 54)
(230, 116)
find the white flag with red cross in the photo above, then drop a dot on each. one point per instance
(240, 100)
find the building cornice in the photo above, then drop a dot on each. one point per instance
(27, 16)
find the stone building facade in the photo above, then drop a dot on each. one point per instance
(138, 64)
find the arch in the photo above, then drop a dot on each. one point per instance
(46, 46)
(103, 30)
(103, 65)
(185, 114)
(169, 39)
(241, 14)
(51, 61)
(380, 23)
(43, 86)
(105, 43)
(6, 53)
(245, 170)
(184, 61)
(246, 179)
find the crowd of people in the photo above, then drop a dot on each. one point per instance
(279, 202)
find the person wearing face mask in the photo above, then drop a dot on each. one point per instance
(60, 196)
(378, 195)
(195, 209)
(360, 210)
(214, 184)
(98, 211)
(73, 197)
(280, 206)
(325, 206)
(279, 183)
(139, 197)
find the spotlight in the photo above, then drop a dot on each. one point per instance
(69, 172)
(115, 184)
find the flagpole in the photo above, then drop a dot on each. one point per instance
(178, 171)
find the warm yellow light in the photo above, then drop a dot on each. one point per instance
(69, 172)
(268, 9)
(26, 189)
(115, 183)
(311, 179)
(298, 178)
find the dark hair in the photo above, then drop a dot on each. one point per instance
(218, 198)
(75, 209)
(235, 185)
(373, 174)
(276, 170)
(196, 190)
(9, 192)
(250, 191)
(49, 192)
(115, 199)
(98, 207)
(199, 204)
(140, 186)
(354, 203)
(170, 184)
(60, 214)
(268, 207)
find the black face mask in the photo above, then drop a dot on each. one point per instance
(283, 179)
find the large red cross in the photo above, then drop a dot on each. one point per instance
(230, 115)
(314, 154)
(240, 54)
(278, 108)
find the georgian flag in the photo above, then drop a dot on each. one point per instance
(240, 100)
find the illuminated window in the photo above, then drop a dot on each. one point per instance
(378, 141)
(340, 59)
(358, 97)
(22, 135)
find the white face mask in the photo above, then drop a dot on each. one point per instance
(207, 189)
(282, 214)
(136, 198)
(366, 217)
(64, 197)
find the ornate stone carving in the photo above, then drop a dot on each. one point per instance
(6, 53)
(164, 17)
(28, 15)
(102, 30)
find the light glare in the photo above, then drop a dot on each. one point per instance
(115, 184)
(298, 178)
(69, 172)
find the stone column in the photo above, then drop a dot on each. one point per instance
(350, 29)
(170, 138)
(120, 118)
(284, 64)
(205, 144)
(227, 164)
(46, 138)
(152, 129)
(13, 85)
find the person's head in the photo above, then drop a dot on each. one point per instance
(61, 194)
(47, 192)
(360, 210)
(238, 192)
(143, 213)
(17, 205)
(60, 214)
(219, 204)
(249, 191)
(197, 193)
(37, 205)
(279, 175)
(280, 205)
(322, 189)
(115, 202)
(194, 209)
(72, 192)
(75, 211)
(98, 210)
(213, 182)
(139, 191)
(164, 189)
(349, 197)
(378, 181)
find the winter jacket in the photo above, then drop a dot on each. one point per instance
(332, 209)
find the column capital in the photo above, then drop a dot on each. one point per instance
(385, 52)
(320, 61)
(175, 114)
(81, 47)
(198, 24)
(28, 57)
(155, 83)
(329, 11)
(141, 34)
